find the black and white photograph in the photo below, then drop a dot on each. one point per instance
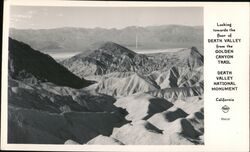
(105, 75)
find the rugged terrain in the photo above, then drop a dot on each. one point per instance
(108, 95)
(121, 72)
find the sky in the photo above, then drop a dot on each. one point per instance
(46, 17)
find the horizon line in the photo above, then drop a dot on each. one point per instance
(111, 28)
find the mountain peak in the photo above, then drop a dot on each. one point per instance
(194, 50)
(116, 49)
(109, 43)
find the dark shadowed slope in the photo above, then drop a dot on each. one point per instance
(33, 66)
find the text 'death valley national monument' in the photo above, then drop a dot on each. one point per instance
(106, 75)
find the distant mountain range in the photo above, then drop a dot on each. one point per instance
(71, 39)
